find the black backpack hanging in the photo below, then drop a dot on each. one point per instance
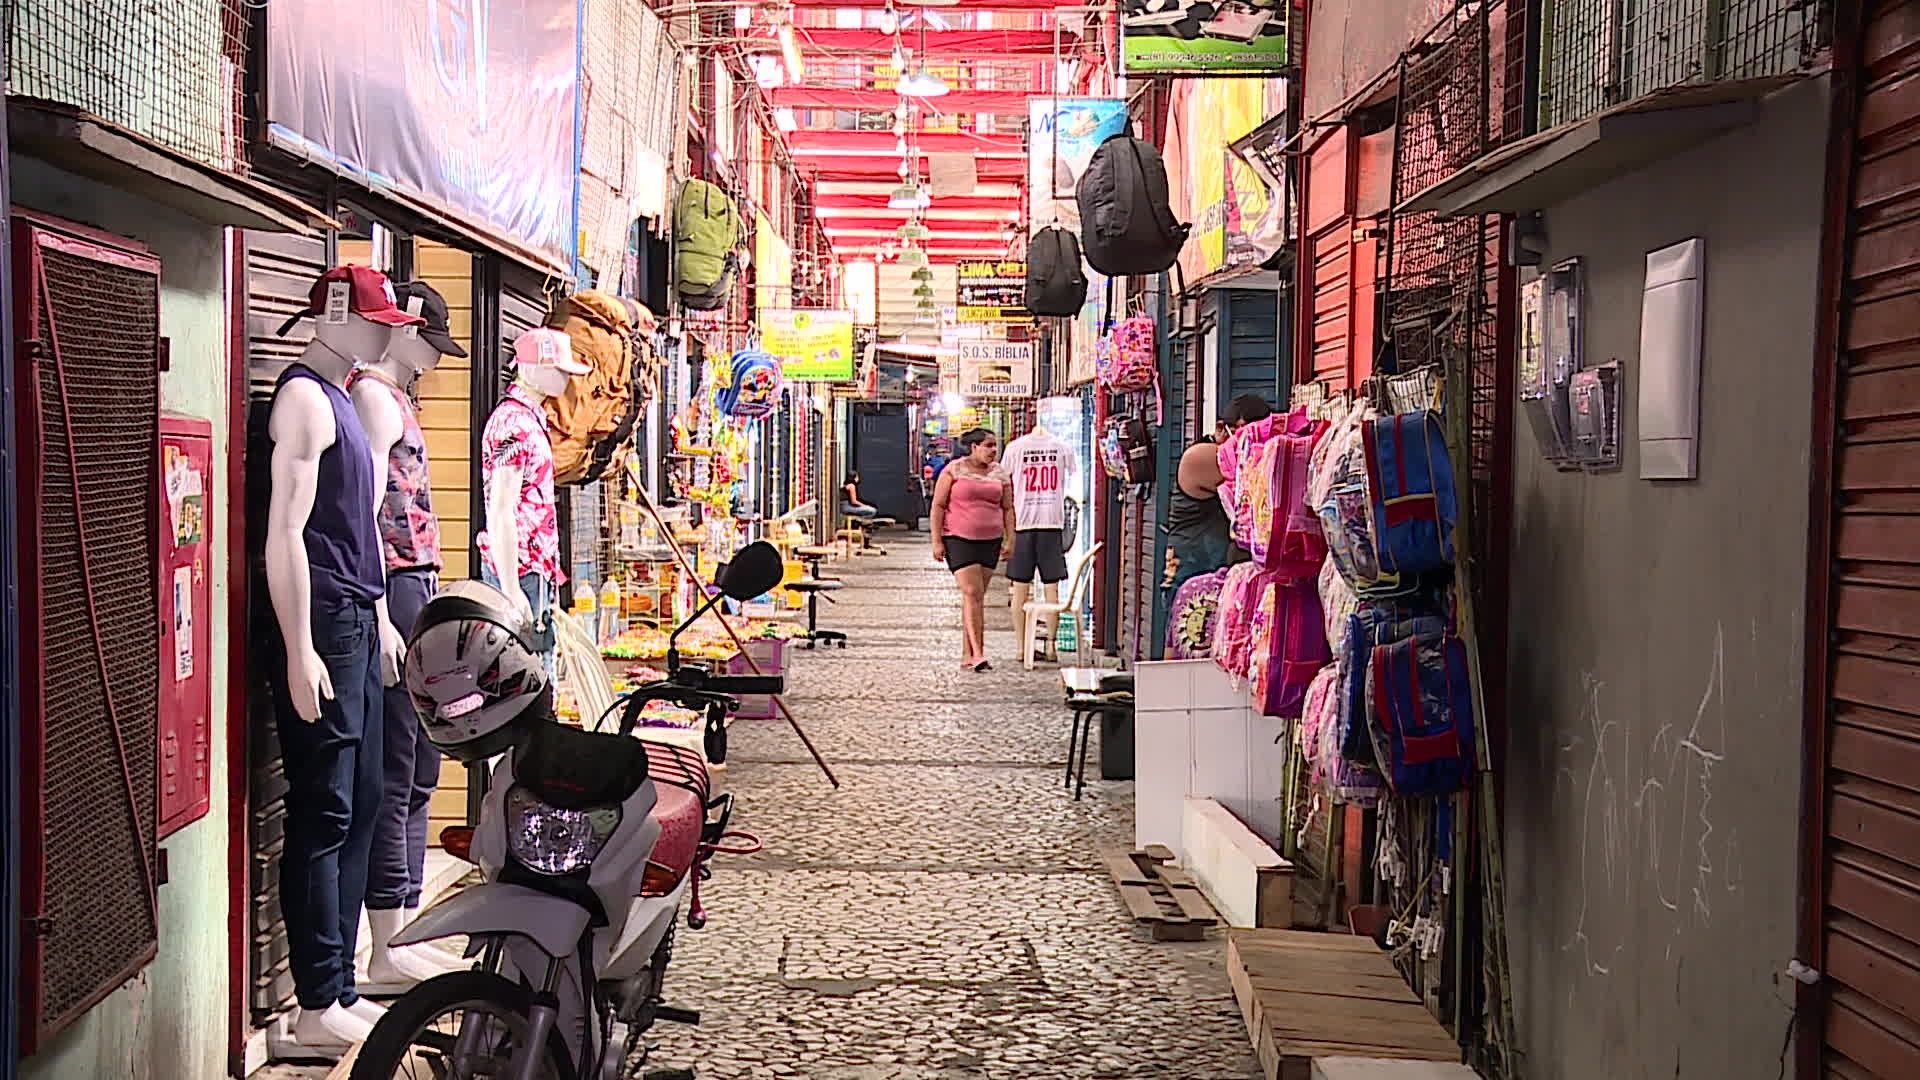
(1056, 285)
(1126, 223)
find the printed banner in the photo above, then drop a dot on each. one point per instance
(1201, 37)
(1066, 132)
(1237, 215)
(996, 369)
(467, 107)
(991, 290)
(812, 344)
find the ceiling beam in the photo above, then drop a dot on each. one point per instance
(952, 43)
(822, 143)
(827, 204)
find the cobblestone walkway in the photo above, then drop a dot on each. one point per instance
(944, 915)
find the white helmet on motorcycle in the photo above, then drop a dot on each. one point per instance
(473, 674)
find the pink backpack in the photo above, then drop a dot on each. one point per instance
(1233, 619)
(1290, 647)
(1130, 363)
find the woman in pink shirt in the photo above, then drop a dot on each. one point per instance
(972, 530)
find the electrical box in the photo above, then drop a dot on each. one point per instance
(1671, 312)
(186, 595)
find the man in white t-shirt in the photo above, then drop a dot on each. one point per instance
(1040, 464)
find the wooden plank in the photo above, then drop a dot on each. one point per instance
(1194, 906)
(1140, 903)
(1159, 853)
(1333, 984)
(1249, 883)
(1124, 871)
(1179, 930)
(1173, 877)
(1287, 941)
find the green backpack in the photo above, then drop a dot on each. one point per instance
(706, 229)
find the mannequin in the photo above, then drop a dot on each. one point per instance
(1040, 465)
(410, 542)
(520, 548)
(326, 585)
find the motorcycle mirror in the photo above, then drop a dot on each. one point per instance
(752, 571)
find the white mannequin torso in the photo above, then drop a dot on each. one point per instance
(301, 428)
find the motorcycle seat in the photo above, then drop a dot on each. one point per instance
(681, 815)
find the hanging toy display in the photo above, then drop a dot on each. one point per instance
(749, 385)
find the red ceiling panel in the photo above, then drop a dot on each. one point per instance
(819, 142)
(998, 102)
(951, 43)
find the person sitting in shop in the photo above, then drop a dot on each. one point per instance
(850, 503)
(1199, 533)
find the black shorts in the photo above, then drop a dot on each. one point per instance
(963, 553)
(1038, 551)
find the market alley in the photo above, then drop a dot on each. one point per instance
(943, 914)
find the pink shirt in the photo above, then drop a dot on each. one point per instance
(974, 507)
(516, 437)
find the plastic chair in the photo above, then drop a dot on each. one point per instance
(581, 666)
(1039, 611)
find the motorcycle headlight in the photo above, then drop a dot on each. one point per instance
(555, 841)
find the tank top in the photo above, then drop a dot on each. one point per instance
(343, 550)
(1190, 518)
(974, 508)
(409, 531)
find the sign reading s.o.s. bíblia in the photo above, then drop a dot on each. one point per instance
(991, 368)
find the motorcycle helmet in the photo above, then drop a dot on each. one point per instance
(473, 673)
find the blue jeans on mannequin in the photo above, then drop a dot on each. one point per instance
(541, 592)
(333, 771)
(411, 769)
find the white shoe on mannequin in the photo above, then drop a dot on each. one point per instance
(396, 969)
(366, 1011)
(328, 1032)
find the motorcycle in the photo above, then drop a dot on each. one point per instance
(589, 842)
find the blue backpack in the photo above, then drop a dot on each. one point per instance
(1410, 479)
(752, 387)
(1420, 713)
(1371, 626)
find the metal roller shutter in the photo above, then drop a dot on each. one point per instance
(280, 271)
(1866, 870)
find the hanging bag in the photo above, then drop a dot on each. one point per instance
(706, 229)
(1126, 222)
(1056, 282)
(1410, 483)
(752, 385)
(1420, 709)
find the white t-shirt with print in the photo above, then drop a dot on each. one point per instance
(1041, 465)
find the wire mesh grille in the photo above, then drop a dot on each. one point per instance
(99, 403)
(1600, 53)
(173, 72)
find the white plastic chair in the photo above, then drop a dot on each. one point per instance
(581, 666)
(1039, 611)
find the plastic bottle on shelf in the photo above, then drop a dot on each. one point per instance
(585, 601)
(611, 622)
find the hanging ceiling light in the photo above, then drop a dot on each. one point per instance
(914, 256)
(923, 274)
(913, 230)
(889, 21)
(925, 292)
(900, 145)
(909, 196)
(921, 84)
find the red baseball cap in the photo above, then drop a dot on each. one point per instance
(361, 290)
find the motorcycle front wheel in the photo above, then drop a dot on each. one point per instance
(466, 1025)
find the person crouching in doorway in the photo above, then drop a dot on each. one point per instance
(972, 531)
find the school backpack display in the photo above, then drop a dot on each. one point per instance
(1190, 616)
(1056, 283)
(751, 386)
(706, 229)
(1289, 647)
(1420, 713)
(1126, 223)
(1136, 448)
(641, 327)
(1129, 364)
(588, 413)
(1410, 485)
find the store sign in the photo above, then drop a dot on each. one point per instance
(996, 369)
(1066, 132)
(812, 344)
(1184, 37)
(466, 107)
(992, 290)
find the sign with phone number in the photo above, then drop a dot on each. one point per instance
(991, 290)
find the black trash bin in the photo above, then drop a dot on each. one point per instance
(1116, 742)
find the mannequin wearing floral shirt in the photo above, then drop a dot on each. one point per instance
(522, 539)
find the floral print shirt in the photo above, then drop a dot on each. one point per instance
(516, 438)
(409, 531)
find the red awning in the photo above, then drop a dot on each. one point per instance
(996, 102)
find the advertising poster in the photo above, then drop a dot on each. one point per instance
(812, 344)
(1065, 133)
(1237, 215)
(466, 107)
(996, 369)
(1201, 37)
(991, 290)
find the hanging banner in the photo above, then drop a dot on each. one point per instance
(1182, 37)
(466, 107)
(812, 344)
(1066, 132)
(1236, 213)
(991, 290)
(996, 369)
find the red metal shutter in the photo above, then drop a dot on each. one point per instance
(89, 413)
(1864, 935)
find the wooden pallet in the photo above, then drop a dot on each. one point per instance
(1310, 995)
(1159, 895)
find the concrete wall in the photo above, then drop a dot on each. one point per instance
(1654, 765)
(170, 1022)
